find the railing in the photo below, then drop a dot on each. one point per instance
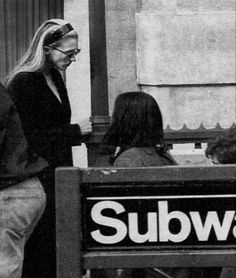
(182, 136)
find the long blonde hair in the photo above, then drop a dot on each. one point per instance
(34, 58)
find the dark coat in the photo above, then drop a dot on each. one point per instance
(45, 120)
(17, 162)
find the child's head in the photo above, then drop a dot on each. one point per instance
(136, 121)
(222, 150)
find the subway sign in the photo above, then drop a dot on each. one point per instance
(160, 221)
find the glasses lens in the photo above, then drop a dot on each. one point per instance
(74, 53)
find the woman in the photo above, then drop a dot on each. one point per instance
(38, 90)
(136, 134)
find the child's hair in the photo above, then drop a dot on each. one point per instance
(223, 147)
(136, 122)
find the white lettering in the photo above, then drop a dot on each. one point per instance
(234, 229)
(150, 235)
(158, 224)
(212, 221)
(165, 218)
(121, 229)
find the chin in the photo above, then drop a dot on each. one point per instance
(65, 67)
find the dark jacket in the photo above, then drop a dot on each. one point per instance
(45, 120)
(143, 157)
(17, 162)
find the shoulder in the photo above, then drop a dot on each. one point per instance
(129, 158)
(153, 157)
(25, 84)
(143, 157)
(24, 78)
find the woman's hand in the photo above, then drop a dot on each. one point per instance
(85, 127)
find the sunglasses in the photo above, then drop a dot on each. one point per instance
(69, 54)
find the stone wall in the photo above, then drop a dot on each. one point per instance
(180, 51)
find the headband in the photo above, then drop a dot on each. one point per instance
(59, 33)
